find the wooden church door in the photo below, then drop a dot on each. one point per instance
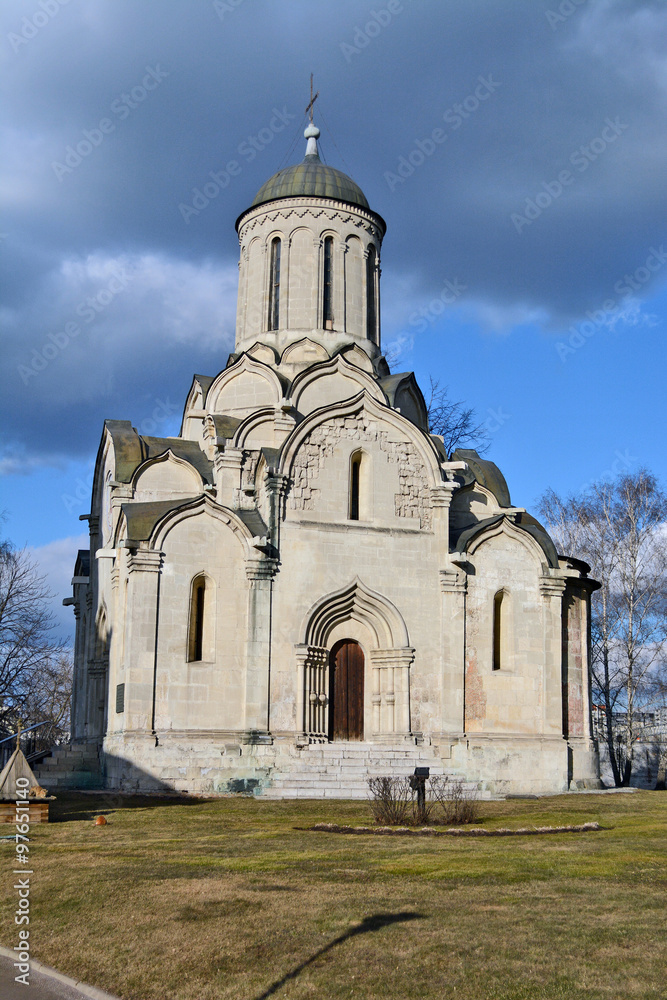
(346, 691)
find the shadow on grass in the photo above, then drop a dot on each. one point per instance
(74, 806)
(373, 923)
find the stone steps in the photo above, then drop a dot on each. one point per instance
(70, 767)
(342, 770)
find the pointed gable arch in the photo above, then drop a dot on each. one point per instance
(206, 507)
(388, 421)
(150, 523)
(263, 352)
(167, 474)
(258, 430)
(356, 601)
(358, 357)
(536, 542)
(195, 407)
(244, 387)
(304, 352)
(330, 382)
(119, 453)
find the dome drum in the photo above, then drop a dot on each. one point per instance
(309, 267)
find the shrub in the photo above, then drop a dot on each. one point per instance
(390, 800)
(394, 802)
(458, 804)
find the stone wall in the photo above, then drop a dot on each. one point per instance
(411, 500)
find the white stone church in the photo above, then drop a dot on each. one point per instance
(303, 589)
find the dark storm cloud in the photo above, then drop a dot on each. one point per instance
(458, 119)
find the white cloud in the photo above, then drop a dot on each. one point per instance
(494, 317)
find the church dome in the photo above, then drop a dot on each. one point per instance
(312, 179)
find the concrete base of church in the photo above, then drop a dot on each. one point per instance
(224, 763)
(537, 765)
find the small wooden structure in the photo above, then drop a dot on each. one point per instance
(37, 799)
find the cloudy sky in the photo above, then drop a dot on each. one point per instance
(517, 151)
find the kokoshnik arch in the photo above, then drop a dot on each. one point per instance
(303, 577)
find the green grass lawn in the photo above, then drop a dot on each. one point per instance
(226, 899)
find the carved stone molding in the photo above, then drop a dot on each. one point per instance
(260, 568)
(145, 561)
(453, 581)
(552, 586)
(313, 706)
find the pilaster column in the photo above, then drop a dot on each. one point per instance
(260, 572)
(276, 487)
(115, 646)
(78, 678)
(340, 279)
(143, 596)
(312, 693)
(441, 499)
(453, 588)
(552, 589)
(228, 465)
(391, 690)
(584, 761)
(318, 286)
(97, 698)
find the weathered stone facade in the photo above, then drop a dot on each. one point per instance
(304, 560)
(413, 498)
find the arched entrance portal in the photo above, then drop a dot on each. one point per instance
(332, 670)
(346, 691)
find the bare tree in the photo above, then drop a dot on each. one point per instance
(48, 700)
(619, 528)
(454, 421)
(31, 660)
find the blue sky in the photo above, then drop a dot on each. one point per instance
(517, 152)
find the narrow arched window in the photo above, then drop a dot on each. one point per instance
(274, 285)
(355, 471)
(498, 629)
(327, 302)
(371, 309)
(197, 610)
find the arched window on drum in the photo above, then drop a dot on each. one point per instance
(274, 284)
(371, 295)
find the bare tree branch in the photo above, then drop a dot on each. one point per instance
(454, 421)
(620, 529)
(33, 664)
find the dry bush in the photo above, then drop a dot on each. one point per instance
(391, 800)
(457, 803)
(394, 802)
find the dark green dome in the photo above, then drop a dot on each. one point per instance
(311, 179)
